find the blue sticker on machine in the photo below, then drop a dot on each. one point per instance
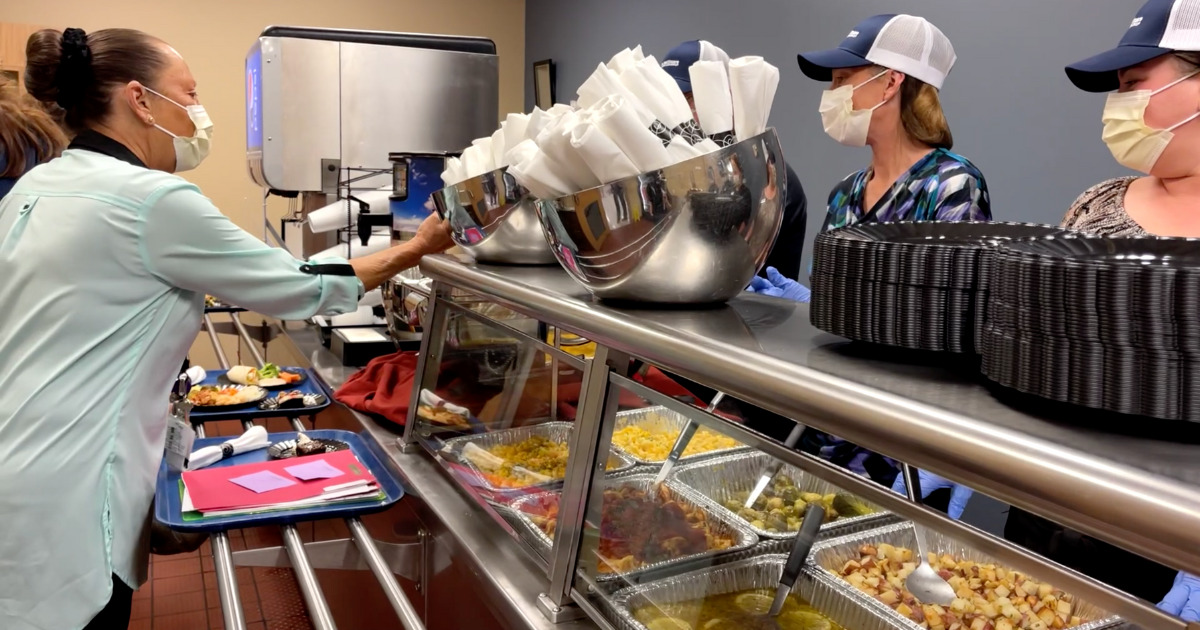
(424, 178)
(254, 132)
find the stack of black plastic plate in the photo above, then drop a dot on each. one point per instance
(911, 284)
(1104, 323)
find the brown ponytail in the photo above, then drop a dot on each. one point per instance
(922, 116)
(26, 131)
(79, 71)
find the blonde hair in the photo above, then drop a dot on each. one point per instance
(922, 116)
(26, 127)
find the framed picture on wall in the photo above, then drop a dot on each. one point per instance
(543, 83)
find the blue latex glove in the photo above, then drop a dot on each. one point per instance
(1184, 598)
(959, 494)
(777, 285)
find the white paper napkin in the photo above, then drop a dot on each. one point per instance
(649, 94)
(604, 83)
(606, 160)
(477, 159)
(711, 93)
(252, 440)
(540, 177)
(523, 151)
(706, 146)
(454, 172)
(678, 109)
(617, 118)
(679, 150)
(196, 374)
(497, 146)
(555, 142)
(514, 131)
(752, 83)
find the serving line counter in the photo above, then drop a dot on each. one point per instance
(464, 554)
(1138, 493)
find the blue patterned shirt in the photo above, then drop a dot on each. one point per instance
(942, 186)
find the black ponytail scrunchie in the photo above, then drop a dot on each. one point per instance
(74, 69)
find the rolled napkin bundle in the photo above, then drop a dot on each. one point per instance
(616, 117)
(679, 150)
(497, 147)
(196, 374)
(752, 83)
(522, 152)
(514, 131)
(606, 160)
(604, 83)
(454, 172)
(625, 59)
(252, 440)
(677, 113)
(477, 159)
(555, 142)
(644, 90)
(713, 99)
(540, 176)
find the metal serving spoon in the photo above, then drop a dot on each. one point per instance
(682, 441)
(924, 583)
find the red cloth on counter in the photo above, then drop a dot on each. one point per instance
(383, 387)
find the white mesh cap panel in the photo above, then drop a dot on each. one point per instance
(1183, 28)
(912, 45)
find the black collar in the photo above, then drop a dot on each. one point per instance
(91, 140)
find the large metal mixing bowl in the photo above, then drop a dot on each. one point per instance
(493, 218)
(692, 233)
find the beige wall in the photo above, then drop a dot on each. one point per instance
(214, 35)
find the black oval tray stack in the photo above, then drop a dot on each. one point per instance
(1109, 324)
(915, 285)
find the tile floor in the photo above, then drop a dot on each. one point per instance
(182, 591)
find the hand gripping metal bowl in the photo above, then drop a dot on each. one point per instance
(493, 218)
(692, 233)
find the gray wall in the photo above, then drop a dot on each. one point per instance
(1013, 112)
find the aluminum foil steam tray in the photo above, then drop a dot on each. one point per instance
(743, 537)
(832, 554)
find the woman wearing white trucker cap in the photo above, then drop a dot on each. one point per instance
(884, 94)
(885, 79)
(1150, 125)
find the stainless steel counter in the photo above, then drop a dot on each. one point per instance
(505, 577)
(1136, 491)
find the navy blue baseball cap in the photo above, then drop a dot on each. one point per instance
(679, 60)
(1159, 28)
(927, 53)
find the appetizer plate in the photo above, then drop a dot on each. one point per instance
(287, 448)
(250, 394)
(223, 378)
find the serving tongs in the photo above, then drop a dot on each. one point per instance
(814, 516)
(924, 583)
(772, 467)
(681, 443)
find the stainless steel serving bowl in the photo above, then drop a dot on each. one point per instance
(692, 233)
(493, 217)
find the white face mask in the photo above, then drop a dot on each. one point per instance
(842, 122)
(1133, 143)
(190, 151)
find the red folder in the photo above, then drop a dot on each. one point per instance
(211, 489)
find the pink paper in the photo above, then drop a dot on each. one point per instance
(263, 481)
(317, 469)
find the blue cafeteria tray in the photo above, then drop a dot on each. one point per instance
(168, 502)
(311, 385)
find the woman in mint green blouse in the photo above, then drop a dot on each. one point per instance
(106, 256)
